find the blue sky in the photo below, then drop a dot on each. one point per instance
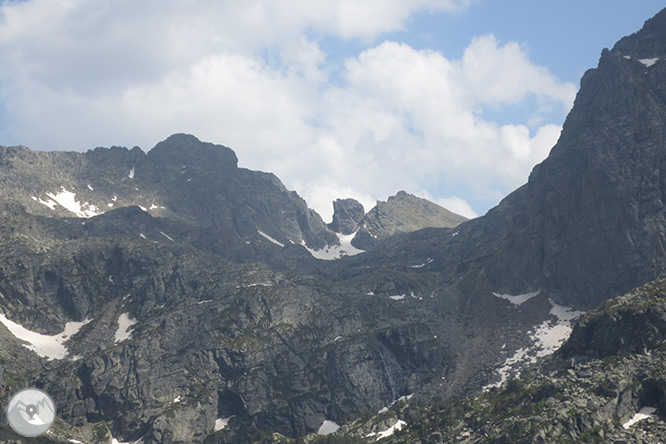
(452, 100)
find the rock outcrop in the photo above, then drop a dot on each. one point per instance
(402, 213)
(347, 214)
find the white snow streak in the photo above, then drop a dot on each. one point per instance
(67, 200)
(400, 399)
(330, 253)
(398, 297)
(124, 325)
(167, 236)
(222, 423)
(131, 173)
(649, 62)
(644, 413)
(49, 203)
(270, 238)
(428, 261)
(546, 339)
(327, 427)
(50, 347)
(517, 299)
(388, 432)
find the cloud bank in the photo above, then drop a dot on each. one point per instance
(253, 75)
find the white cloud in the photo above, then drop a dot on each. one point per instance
(494, 74)
(80, 74)
(458, 206)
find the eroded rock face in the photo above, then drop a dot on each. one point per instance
(402, 213)
(347, 214)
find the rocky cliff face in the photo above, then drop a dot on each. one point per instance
(189, 298)
(606, 384)
(402, 213)
(589, 224)
(347, 214)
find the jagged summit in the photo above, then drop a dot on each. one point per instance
(648, 42)
(181, 150)
(402, 213)
(347, 214)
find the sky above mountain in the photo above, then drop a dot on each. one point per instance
(452, 100)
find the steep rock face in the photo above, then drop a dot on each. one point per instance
(347, 214)
(591, 218)
(402, 213)
(632, 323)
(590, 223)
(602, 386)
(181, 178)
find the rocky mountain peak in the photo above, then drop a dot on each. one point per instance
(347, 214)
(184, 149)
(649, 42)
(402, 213)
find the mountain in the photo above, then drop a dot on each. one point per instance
(142, 290)
(606, 384)
(347, 214)
(197, 184)
(402, 213)
(589, 224)
(175, 297)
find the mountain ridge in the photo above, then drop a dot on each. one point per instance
(208, 307)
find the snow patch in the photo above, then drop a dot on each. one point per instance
(143, 236)
(546, 339)
(280, 244)
(204, 301)
(517, 299)
(90, 187)
(167, 236)
(327, 427)
(398, 297)
(400, 399)
(124, 325)
(644, 413)
(258, 284)
(627, 57)
(67, 200)
(143, 208)
(388, 432)
(649, 62)
(330, 253)
(131, 173)
(49, 203)
(75, 441)
(428, 261)
(222, 423)
(50, 347)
